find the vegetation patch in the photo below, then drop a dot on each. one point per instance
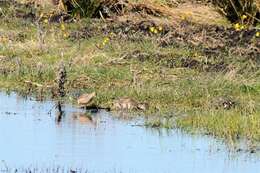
(194, 76)
(235, 10)
(212, 40)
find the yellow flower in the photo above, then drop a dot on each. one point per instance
(65, 35)
(183, 17)
(152, 29)
(41, 15)
(257, 34)
(62, 27)
(160, 28)
(106, 39)
(243, 17)
(237, 26)
(45, 21)
(155, 31)
(242, 27)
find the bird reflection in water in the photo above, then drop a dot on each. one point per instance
(85, 118)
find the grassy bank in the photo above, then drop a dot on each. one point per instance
(208, 83)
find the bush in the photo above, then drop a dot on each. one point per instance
(235, 9)
(84, 8)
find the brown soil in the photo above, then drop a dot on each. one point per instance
(212, 40)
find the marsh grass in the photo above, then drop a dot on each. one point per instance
(232, 125)
(188, 92)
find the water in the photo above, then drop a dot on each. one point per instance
(30, 138)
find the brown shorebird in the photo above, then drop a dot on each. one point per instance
(85, 99)
(129, 104)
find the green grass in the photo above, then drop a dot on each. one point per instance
(178, 96)
(232, 125)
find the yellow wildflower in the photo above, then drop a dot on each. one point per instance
(243, 17)
(62, 27)
(111, 34)
(160, 28)
(152, 29)
(237, 26)
(242, 27)
(65, 35)
(155, 31)
(183, 17)
(45, 21)
(41, 15)
(106, 39)
(257, 34)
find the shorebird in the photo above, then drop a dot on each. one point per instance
(85, 99)
(129, 104)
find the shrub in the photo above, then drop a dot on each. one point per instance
(235, 9)
(84, 8)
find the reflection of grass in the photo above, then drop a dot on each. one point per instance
(182, 90)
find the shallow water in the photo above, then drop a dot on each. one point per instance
(31, 138)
